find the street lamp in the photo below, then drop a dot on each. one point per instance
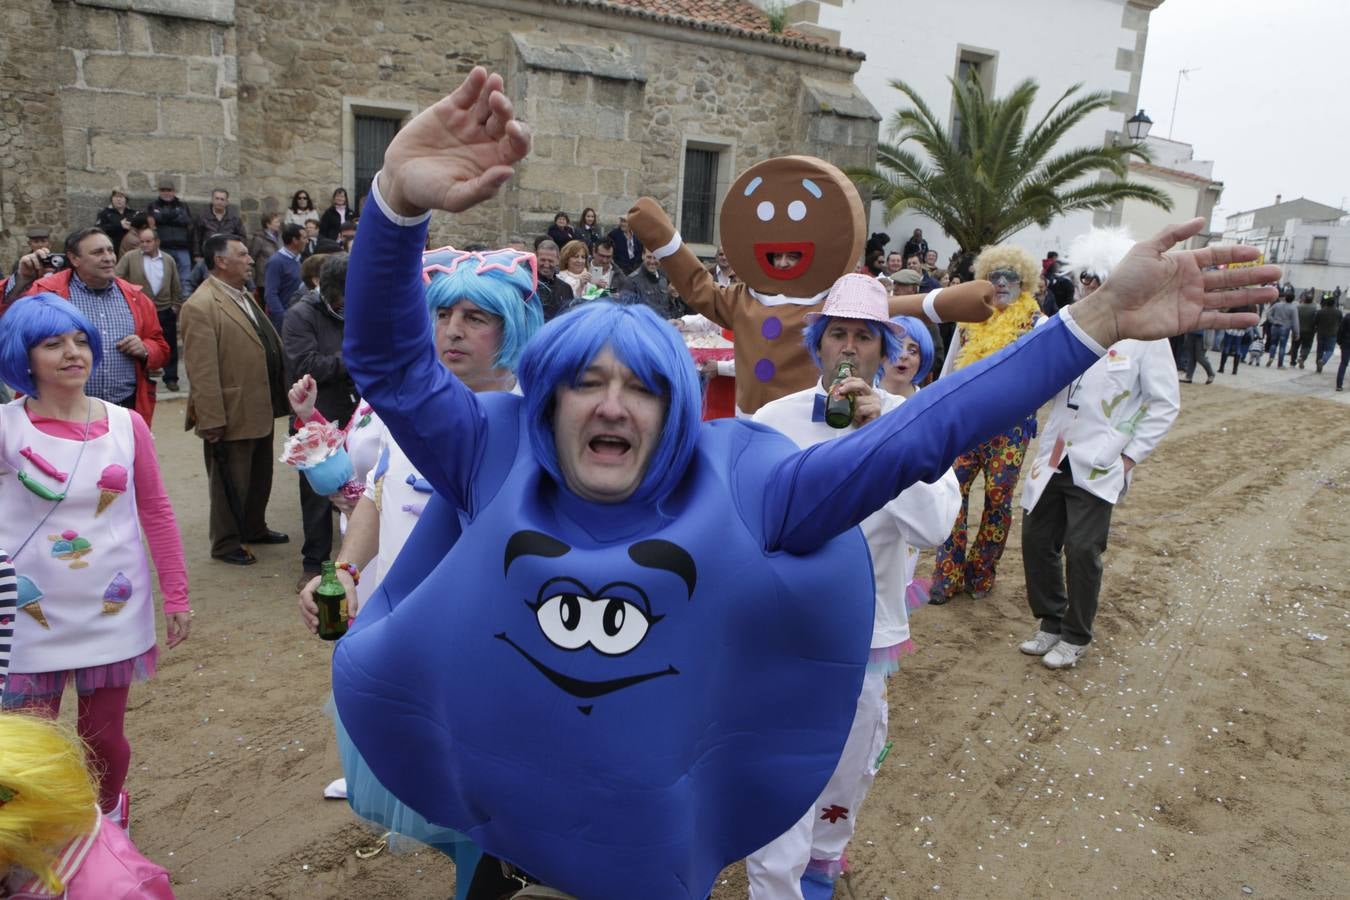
(1138, 126)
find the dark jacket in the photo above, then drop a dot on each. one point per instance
(173, 221)
(1327, 322)
(1343, 336)
(561, 236)
(625, 261)
(652, 289)
(110, 220)
(589, 234)
(1307, 312)
(312, 339)
(331, 222)
(208, 226)
(917, 248)
(555, 295)
(281, 279)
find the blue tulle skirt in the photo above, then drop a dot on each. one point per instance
(371, 801)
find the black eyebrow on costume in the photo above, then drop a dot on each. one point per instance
(657, 554)
(532, 543)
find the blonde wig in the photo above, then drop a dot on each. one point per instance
(48, 797)
(1006, 256)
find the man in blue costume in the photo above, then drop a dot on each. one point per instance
(624, 675)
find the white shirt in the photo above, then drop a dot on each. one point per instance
(238, 296)
(922, 516)
(154, 271)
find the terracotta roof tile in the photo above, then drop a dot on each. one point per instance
(739, 18)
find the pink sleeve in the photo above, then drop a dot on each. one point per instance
(158, 522)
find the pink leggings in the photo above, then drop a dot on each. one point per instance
(100, 722)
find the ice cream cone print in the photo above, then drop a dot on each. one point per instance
(116, 595)
(29, 595)
(111, 485)
(68, 545)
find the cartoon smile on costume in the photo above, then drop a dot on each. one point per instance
(792, 205)
(612, 621)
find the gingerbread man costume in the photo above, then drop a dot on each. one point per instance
(790, 204)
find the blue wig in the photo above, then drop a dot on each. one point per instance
(812, 333)
(917, 332)
(643, 342)
(500, 282)
(29, 322)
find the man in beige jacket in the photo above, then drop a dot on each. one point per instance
(156, 272)
(236, 393)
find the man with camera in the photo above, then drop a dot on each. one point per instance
(126, 318)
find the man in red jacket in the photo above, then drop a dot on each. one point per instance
(125, 317)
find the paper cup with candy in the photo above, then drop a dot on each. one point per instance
(316, 449)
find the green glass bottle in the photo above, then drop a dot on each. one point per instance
(331, 599)
(839, 410)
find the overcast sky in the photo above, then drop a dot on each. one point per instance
(1268, 100)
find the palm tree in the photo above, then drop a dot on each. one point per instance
(996, 176)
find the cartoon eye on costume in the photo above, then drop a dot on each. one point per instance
(764, 210)
(612, 625)
(796, 210)
(561, 619)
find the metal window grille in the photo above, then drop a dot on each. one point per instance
(700, 195)
(373, 134)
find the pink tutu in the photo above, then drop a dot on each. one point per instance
(22, 688)
(886, 660)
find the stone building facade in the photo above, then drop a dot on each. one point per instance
(262, 98)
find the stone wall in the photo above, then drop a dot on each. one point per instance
(255, 96)
(32, 172)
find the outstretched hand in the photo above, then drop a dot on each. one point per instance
(1156, 292)
(456, 153)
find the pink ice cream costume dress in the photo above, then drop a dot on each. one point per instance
(101, 865)
(85, 591)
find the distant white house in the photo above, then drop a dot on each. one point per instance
(1310, 240)
(1189, 182)
(1059, 43)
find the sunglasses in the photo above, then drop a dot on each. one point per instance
(1006, 275)
(1088, 278)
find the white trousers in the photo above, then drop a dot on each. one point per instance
(775, 871)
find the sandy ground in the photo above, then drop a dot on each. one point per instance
(1197, 751)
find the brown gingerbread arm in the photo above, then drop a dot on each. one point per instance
(696, 286)
(970, 301)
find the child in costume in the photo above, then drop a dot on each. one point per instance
(968, 564)
(53, 841)
(79, 482)
(806, 860)
(790, 226)
(636, 682)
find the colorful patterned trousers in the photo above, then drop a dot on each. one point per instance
(971, 568)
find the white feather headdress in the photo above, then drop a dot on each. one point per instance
(1099, 250)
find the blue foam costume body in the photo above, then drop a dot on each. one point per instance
(622, 699)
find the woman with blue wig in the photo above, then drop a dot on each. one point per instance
(903, 374)
(639, 661)
(484, 308)
(79, 483)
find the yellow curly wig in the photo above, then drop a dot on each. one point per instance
(1006, 256)
(51, 796)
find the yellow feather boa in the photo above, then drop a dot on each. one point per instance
(981, 339)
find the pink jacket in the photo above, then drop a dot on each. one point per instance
(101, 865)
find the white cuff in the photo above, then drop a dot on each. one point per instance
(930, 306)
(1067, 315)
(670, 247)
(405, 221)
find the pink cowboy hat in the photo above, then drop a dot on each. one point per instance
(858, 296)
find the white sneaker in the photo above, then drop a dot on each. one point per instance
(1063, 655)
(1040, 643)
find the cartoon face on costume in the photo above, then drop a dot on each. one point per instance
(581, 624)
(792, 205)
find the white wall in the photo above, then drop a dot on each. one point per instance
(1324, 277)
(1057, 42)
(1145, 219)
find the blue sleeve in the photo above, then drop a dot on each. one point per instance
(824, 490)
(391, 355)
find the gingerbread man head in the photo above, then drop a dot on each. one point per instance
(792, 225)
